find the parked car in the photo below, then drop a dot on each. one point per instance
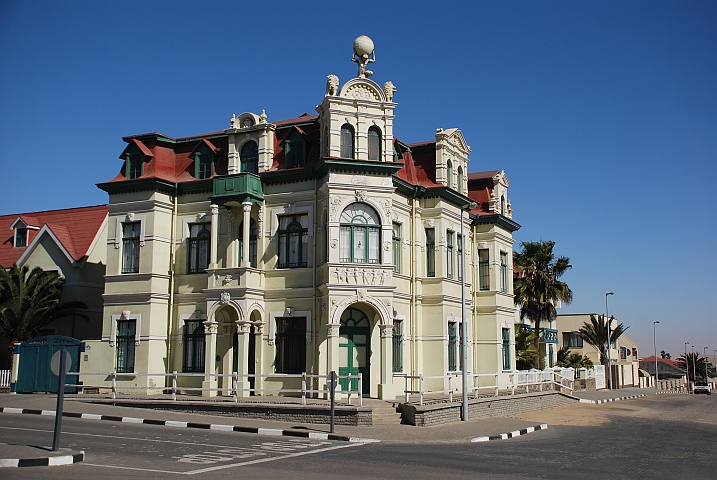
(702, 387)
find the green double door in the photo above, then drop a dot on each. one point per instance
(355, 349)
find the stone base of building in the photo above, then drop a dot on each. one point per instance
(343, 415)
(436, 414)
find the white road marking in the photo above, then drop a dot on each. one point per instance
(264, 460)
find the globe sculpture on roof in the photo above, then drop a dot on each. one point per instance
(363, 55)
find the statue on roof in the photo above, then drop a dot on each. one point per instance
(363, 55)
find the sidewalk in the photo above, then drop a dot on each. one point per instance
(478, 429)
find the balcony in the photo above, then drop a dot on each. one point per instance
(547, 335)
(237, 188)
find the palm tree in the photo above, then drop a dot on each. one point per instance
(28, 302)
(525, 351)
(686, 361)
(595, 333)
(536, 286)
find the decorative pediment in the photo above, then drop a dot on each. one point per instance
(134, 147)
(203, 145)
(501, 178)
(363, 89)
(246, 120)
(454, 138)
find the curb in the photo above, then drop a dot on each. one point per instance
(204, 426)
(516, 433)
(43, 462)
(606, 400)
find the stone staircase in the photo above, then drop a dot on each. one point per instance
(385, 415)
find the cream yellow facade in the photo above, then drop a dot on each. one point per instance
(624, 356)
(388, 307)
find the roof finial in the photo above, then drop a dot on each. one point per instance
(363, 55)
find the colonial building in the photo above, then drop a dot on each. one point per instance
(314, 244)
(624, 360)
(71, 242)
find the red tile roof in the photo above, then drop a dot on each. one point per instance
(74, 228)
(668, 361)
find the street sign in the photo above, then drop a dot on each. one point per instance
(55, 362)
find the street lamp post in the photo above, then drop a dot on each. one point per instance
(694, 368)
(687, 367)
(464, 329)
(654, 345)
(705, 353)
(609, 364)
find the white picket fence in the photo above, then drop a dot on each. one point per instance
(233, 390)
(561, 379)
(5, 378)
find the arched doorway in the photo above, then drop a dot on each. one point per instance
(225, 362)
(355, 349)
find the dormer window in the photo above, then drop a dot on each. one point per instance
(134, 165)
(20, 237)
(294, 150)
(347, 141)
(460, 180)
(203, 165)
(374, 143)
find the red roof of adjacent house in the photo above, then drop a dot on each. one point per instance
(74, 228)
(669, 361)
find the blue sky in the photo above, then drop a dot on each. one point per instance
(603, 115)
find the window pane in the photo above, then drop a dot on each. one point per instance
(430, 253)
(374, 235)
(374, 144)
(249, 158)
(359, 241)
(483, 270)
(345, 244)
(347, 142)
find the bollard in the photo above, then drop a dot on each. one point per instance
(60, 401)
(174, 386)
(332, 394)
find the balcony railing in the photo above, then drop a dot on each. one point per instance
(547, 335)
(238, 187)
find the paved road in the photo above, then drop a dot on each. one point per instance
(661, 436)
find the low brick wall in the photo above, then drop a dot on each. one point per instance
(343, 415)
(585, 384)
(504, 406)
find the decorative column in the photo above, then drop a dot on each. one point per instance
(243, 332)
(246, 206)
(232, 261)
(332, 354)
(214, 236)
(210, 354)
(385, 388)
(259, 355)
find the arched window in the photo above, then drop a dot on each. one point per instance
(374, 143)
(360, 235)
(250, 158)
(449, 174)
(502, 204)
(252, 242)
(460, 180)
(347, 141)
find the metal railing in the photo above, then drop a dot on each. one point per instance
(563, 379)
(234, 390)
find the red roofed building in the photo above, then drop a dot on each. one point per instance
(312, 244)
(71, 241)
